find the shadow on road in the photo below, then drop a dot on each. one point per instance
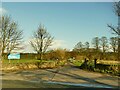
(75, 76)
(26, 84)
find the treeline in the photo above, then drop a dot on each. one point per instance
(100, 48)
(63, 54)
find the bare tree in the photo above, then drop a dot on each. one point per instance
(96, 43)
(104, 44)
(114, 43)
(79, 46)
(11, 36)
(87, 50)
(42, 40)
(116, 29)
(87, 45)
(117, 8)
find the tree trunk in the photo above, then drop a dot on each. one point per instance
(2, 53)
(41, 46)
(41, 56)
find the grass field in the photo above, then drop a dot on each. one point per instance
(18, 61)
(24, 61)
(28, 62)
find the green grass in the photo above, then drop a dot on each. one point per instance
(78, 62)
(44, 60)
(14, 62)
(26, 60)
(18, 61)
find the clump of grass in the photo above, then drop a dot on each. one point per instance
(77, 62)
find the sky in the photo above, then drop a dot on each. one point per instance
(59, 0)
(67, 22)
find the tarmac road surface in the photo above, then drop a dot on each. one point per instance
(62, 77)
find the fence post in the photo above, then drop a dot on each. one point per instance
(85, 63)
(95, 62)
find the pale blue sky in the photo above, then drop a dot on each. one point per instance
(67, 22)
(59, 0)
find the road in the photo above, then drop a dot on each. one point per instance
(62, 77)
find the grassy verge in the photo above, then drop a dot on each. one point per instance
(17, 61)
(31, 64)
(102, 66)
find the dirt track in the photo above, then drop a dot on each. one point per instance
(66, 75)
